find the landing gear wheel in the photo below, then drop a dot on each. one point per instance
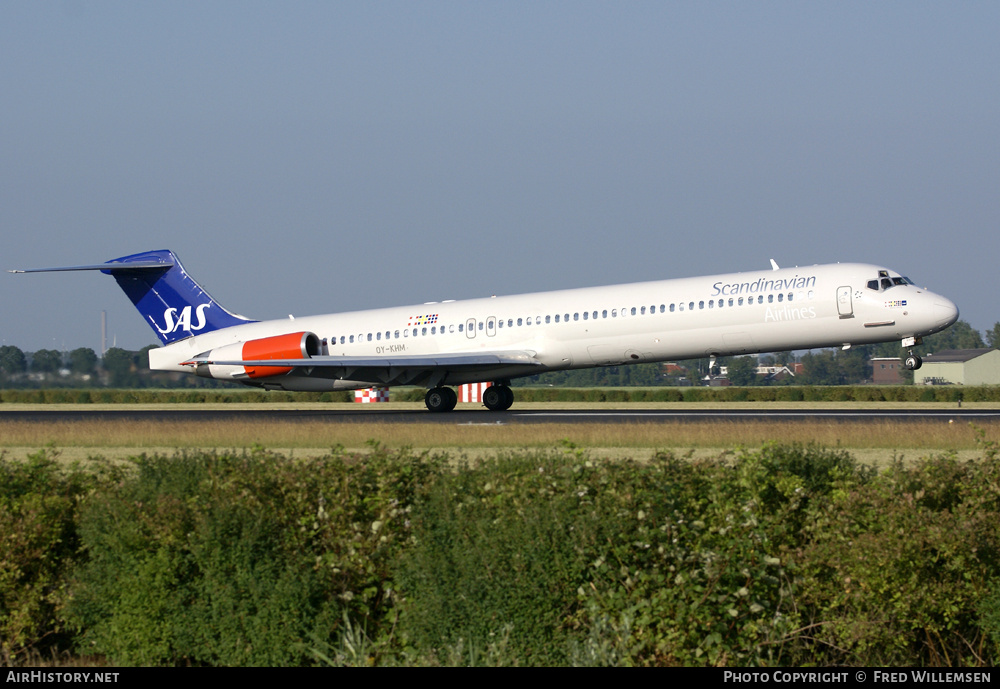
(441, 399)
(498, 398)
(913, 362)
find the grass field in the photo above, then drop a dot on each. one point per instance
(877, 441)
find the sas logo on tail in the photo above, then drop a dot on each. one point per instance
(183, 321)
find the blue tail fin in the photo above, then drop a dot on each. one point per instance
(175, 306)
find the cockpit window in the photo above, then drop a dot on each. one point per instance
(885, 282)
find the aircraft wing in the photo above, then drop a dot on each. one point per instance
(390, 370)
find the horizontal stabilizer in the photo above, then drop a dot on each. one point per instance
(109, 267)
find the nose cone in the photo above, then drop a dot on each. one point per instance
(945, 312)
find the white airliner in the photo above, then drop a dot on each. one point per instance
(495, 339)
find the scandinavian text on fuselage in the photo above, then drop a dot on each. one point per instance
(763, 285)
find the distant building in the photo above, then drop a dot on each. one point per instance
(769, 373)
(960, 367)
(887, 370)
(773, 374)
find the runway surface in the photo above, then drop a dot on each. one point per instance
(481, 416)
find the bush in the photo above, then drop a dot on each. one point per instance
(903, 570)
(240, 559)
(38, 533)
(499, 549)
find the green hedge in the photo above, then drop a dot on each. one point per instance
(155, 396)
(786, 555)
(846, 393)
(784, 393)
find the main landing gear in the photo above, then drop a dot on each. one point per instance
(441, 399)
(497, 397)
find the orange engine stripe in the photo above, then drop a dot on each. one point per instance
(278, 347)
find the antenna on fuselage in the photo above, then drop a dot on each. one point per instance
(774, 266)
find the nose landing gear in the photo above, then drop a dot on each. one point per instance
(913, 362)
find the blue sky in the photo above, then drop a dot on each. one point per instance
(311, 157)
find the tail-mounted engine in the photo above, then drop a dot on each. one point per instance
(301, 345)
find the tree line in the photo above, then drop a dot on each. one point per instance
(81, 367)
